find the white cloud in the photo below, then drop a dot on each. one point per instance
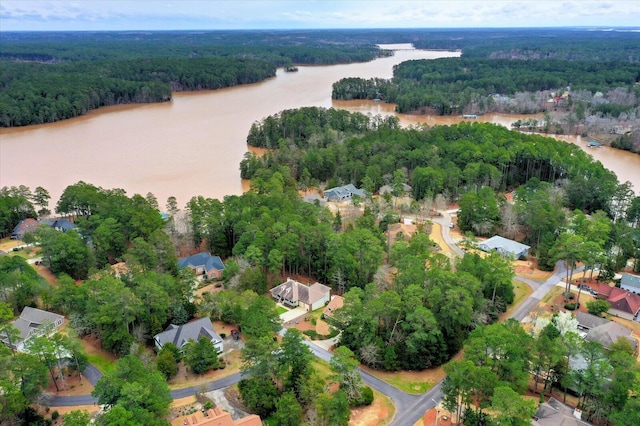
(190, 14)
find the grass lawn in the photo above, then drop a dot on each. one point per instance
(317, 314)
(521, 291)
(27, 253)
(322, 367)
(101, 359)
(552, 294)
(409, 387)
(413, 382)
(281, 310)
(102, 363)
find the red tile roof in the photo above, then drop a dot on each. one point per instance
(603, 289)
(620, 299)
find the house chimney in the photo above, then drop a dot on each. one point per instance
(577, 413)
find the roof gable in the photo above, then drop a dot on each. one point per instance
(590, 321)
(343, 191)
(609, 333)
(32, 318)
(336, 302)
(298, 292)
(624, 301)
(25, 226)
(555, 413)
(38, 316)
(180, 335)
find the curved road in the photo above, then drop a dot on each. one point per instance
(409, 408)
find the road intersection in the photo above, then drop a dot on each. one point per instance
(409, 407)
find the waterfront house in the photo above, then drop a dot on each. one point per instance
(25, 226)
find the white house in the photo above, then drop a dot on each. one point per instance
(32, 323)
(505, 247)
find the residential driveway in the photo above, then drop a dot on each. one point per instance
(293, 314)
(328, 343)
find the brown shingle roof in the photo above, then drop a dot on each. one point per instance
(295, 291)
(336, 302)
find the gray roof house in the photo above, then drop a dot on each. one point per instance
(179, 335)
(608, 334)
(555, 413)
(587, 321)
(25, 226)
(505, 247)
(630, 283)
(32, 323)
(604, 331)
(204, 264)
(62, 225)
(341, 193)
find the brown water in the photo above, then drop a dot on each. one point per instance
(193, 145)
(625, 164)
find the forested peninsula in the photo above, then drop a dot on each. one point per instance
(407, 305)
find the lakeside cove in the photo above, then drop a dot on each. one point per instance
(193, 145)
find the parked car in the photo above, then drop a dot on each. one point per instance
(235, 334)
(588, 289)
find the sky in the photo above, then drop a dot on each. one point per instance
(87, 15)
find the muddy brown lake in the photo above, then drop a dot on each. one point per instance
(193, 144)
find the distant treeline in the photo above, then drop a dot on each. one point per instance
(46, 77)
(34, 93)
(281, 47)
(449, 85)
(50, 76)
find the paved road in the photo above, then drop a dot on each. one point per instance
(67, 401)
(445, 221)
(409, 408)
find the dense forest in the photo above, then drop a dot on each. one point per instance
(55, 76)
(36, 93)
(456, 85)
(319, 145)
(469, 163)
(47, 77)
